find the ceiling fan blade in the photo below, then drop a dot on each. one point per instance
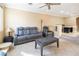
(42, 6)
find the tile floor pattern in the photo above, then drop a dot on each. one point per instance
(67, 48)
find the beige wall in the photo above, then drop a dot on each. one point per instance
(54, 21)
(16, 18)
(1, 36)
(1, 24)
(70, 21)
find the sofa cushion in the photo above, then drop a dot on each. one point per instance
(33, 30)
(23, 37)
(20, 31)
(26, 31)
(32, 36)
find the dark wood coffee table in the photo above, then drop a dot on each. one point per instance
(44, 41)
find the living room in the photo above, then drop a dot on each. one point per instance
(56, 18)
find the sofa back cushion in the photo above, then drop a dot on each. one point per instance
(33, 30)
(26, 31)
(20, 31)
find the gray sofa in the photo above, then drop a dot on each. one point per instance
(26, 34)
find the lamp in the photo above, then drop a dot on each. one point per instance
(9, 30)
(41, 23)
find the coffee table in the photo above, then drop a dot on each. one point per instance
(44, 41)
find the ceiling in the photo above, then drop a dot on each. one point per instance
(63, 10)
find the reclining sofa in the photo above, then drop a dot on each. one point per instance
(26, 34)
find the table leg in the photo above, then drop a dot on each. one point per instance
(35, 45)
(41, 51)
(58, 43)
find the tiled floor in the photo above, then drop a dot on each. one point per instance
(67, 48)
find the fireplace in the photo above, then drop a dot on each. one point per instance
(67, 29)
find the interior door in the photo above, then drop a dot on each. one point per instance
(77, 23)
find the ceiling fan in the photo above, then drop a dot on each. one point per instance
(49, 5)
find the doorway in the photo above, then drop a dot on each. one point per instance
(77, 23)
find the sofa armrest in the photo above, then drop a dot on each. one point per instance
(15, 38)
(48, 33)
(51, 32)
(16, 35)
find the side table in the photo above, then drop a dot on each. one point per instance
(8, 39)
